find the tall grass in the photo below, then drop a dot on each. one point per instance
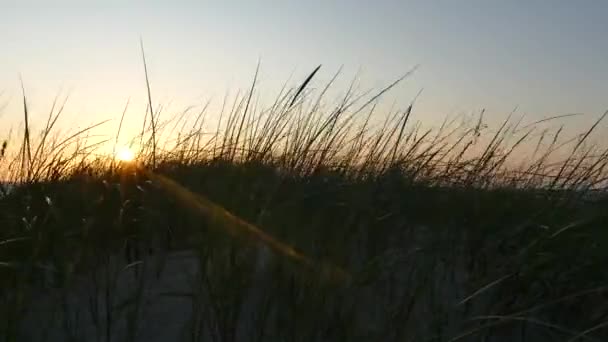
(308, 219)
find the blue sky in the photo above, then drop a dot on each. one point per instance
(547, 57)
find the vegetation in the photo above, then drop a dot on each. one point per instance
(305, 221)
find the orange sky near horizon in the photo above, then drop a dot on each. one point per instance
(472, 55)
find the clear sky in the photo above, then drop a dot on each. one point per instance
(547, 57)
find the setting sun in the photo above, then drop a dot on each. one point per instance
(125, 154)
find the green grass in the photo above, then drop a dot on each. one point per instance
(366, 229)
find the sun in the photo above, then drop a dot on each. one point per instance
(125, 154)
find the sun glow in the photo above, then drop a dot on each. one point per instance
(125, 154)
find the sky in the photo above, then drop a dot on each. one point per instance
(545, 57)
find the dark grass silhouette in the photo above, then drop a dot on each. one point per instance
(305, 222)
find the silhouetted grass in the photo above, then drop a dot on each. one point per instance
(308, 222)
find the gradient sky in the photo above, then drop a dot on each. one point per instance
(547, 57)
